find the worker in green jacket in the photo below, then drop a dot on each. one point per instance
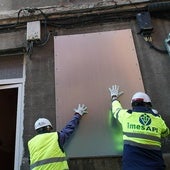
(47, 148)
(143, 129)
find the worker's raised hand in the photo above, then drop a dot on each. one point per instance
(114, 92)
(81, 109)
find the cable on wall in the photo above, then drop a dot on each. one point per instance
(146, 29)
(159, 6)
(45, 38)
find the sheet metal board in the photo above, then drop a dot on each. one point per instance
(86, 65)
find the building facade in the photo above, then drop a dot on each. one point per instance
(27, 78)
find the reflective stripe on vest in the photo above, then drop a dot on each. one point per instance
(143, 136)
(154, 147)
(47, 161)
(117, 113)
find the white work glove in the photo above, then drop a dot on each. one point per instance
(114, 92)
(155, 111)
(82, 109)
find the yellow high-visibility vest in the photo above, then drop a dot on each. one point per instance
(46, 154)
(140, 128)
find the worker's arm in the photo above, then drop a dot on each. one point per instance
(116, 106)
(165, 130)
(166, 133)
(66, 132)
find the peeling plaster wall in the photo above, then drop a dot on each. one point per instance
(18, 4)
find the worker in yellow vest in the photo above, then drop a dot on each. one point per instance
(46, 148)
(143, 129)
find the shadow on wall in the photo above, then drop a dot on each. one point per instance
(167, 162)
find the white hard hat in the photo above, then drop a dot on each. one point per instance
(42, 122)
(140, 96)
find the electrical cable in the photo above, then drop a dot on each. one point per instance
(13, 26)
(32, 43)
(46, 34)
(29, 48)
(156, 48)
(148, 39)
(37, 43)
(159, 6)
(72, 22)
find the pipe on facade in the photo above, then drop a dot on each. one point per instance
(159, 6)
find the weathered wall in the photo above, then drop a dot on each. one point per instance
(18, 4)
(39, 90)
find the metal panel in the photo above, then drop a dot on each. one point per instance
(86, 65)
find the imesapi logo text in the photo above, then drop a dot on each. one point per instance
(145, 121)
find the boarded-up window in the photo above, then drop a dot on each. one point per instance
(86, 65)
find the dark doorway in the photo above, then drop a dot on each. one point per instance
(8, 106)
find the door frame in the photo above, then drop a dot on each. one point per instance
(19, 123)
